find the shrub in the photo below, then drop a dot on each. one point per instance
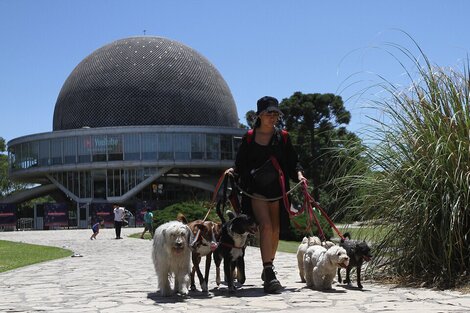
(419, 177)
(192, 210)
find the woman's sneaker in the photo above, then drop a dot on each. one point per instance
(271, 284)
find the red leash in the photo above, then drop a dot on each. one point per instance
(307, 205)
(214, 196)
(317, 205)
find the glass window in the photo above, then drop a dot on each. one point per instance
(114, 183)
(85, 184)
(226, 150)
(114, 146)
(33, 154)
(165, 147)
(84, 149)
(13, 157)
(182, 145)
(212, 147)
(197, 146)
(131, 147)
(99, 146)
(70, 150)
(43, 152)
(149, 146)
(56, 151)
(99, 184)
(70, 182)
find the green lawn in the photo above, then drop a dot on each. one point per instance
(362, 233)
(15, 254)
(137, 235)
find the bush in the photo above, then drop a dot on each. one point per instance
(192, 210)
(420, 182)
(301, 225)
(297, 233)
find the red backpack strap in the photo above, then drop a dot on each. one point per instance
(284, 135)
(249, 136)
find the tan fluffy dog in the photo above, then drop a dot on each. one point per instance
(171, 257)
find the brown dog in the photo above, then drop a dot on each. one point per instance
(206, 237)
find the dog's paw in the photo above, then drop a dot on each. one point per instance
(183, 291)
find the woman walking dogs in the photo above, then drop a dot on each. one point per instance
(263, 150)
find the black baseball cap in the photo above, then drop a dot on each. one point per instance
(266, 104)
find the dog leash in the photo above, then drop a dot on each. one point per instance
(212, 204)
(308, 200)
(317, 205)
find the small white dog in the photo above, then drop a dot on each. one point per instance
(320, 265)
(171, 256)
(306, 242)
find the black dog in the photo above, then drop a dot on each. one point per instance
(358, 252)
(231, 248)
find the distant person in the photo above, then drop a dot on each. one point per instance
(148, 223)
(96, 229)
(119, 215)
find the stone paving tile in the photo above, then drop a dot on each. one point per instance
(118, 276)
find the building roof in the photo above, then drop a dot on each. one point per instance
(144, 81)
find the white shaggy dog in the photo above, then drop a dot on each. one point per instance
(171, 256)
(320, 265)
(306, 242)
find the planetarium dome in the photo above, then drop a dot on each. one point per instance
(144, 81)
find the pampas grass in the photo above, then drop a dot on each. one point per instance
(418, 175)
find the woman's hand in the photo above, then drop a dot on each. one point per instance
(301, 177)
(229, 171)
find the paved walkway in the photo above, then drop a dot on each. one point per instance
(118, 276)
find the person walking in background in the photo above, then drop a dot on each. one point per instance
(263, 150)
(119, 214)
(148, 223)
(96, 229)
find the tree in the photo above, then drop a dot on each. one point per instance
(316, 123)
(4, 181)
(250, 118)
(6, 185)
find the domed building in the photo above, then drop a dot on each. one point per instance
(140, 120)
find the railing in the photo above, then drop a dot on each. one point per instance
(25, 224)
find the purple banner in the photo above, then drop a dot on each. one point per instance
(56, 214)
(7, 215)
(102, 211)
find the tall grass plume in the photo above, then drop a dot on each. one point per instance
(418, 176)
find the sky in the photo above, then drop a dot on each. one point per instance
(260, 47)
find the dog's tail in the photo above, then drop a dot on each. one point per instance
(180, 217)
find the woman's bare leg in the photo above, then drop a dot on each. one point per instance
(267, 215)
